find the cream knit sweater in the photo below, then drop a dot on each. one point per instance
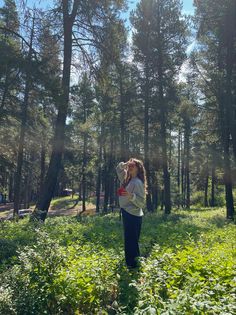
(136, 204)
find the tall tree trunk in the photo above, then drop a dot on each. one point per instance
(26, 192)
(116, 180)
(224, 116)
(111, 196)
(178, 171)
(206, 190)
(230, 38)
(213, 178)
(17, 182)
(163, 115)
(166, 175)
(106, 180)
(182, 150)
(42, 166)
(99, 171)
(162, 199)
(112, 182)
(44, 200)
(84, 174)
(228, 182)
(42, 157)
(84, 188)
(146, 142)
(187, 141)
(123, 153)
(106, 193)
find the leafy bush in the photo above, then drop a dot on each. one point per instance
(7, 249)
(6, 301)
(198, 278)
(31, 281)
(70, 267)
(197, 198)
(57, 280)
(88, 282)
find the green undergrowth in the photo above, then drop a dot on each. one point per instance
(66, 266)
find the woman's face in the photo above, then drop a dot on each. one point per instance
(133, 169)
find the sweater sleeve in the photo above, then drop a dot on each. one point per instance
(121, 171)
(139, 197)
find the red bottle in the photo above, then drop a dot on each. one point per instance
(120, 191)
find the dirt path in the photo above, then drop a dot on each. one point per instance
(91, 210)
(7, 209)
(62, 207)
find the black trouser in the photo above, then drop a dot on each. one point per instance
(132, 228)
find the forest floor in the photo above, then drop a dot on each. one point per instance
(75, 265)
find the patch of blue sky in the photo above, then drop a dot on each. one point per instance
(31, 3)
(188, 8)
(187, 4)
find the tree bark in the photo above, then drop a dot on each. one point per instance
(106, 180)
(178, 170)
(228, 181)
(187, 159)
(42, 166)
(163, 115)
(213, 178)
(84, 174)
(182, 172)
(84, 184)
(146, 141)
(206, 190)
(224, 115)
(42, 157)
(98, 185)
(230, 37)
(123, 153)
(108, 172)
(112, 181)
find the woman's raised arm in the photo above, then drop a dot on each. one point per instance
(121, 171)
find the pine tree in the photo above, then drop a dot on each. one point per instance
(215, 63)
(159, 48)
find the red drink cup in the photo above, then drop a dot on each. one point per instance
(120, 191)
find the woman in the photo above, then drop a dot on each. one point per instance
(132, 197)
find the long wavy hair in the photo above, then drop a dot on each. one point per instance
(141, 173)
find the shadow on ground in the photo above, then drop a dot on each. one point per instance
(168, 231)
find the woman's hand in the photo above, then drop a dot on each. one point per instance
(126, 164)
